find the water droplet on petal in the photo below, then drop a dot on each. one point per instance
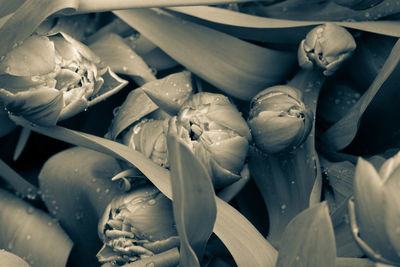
(30, 210)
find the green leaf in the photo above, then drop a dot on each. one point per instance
(239, 68)
(170, 92)
(285, 183)
(28, 17)
(121, 58)
(343, 132)
(21, 185)
(88, 6)
(325, 10)
(7, 7)
(193, 201)
(308, 240)
(247, 246)
(136, 105)
(31, 233)
(77, 187)
(279, 30)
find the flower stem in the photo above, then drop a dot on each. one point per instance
(290, 182)
(88, 6)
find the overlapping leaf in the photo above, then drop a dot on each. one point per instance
(121, 58)
(343, 132)
(308, 240)
(247, 246)
(193, 201)
(239, 68)
(325, 10)
(274, 30)
(31, 233)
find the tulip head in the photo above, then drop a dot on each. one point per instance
(279, 120)
(377, 208)
(327, 46)
(217, 134)
(59, 66)
(135, 225)
(150, 138)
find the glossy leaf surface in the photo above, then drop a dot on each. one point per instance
(193, 201)
(308, 239)
(245, 243)
(239, 68)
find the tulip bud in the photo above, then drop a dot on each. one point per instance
(326, 46)
(278, 119)
(45, 79)
(136, 225)
(150, 138)
(377, 209)
(217, 134)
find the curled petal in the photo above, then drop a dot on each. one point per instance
(214, 109)
(369, 205)
(229, 151)
(34, 56)
(42, 105)
(170, 92)
(389, 167)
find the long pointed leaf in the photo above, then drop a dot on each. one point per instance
(121, 58)
(308, 240)
(193, 201)
(343, 132)
(326, 10)
(21, 185)
(239, 68)
(273, 30)
(247, 246)
(88, 6)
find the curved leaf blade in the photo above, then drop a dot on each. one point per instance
(343, 132)
(273, 30)
(193, 201)
(308, 239)
(239, 68)
(121, 58)
(247, 246)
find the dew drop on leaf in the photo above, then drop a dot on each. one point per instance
(29, 210)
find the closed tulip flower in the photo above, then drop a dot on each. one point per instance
(212, 127)
(376, 215)
(279, 120)
(48, 78)
(136, 225)
(326, 46)
(217, 134)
